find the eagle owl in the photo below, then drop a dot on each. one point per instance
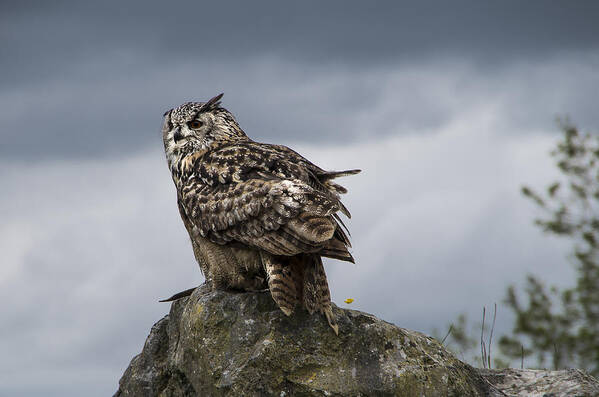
(259, 215)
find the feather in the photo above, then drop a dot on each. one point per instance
(325, 176)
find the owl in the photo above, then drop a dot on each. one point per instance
(260, 216)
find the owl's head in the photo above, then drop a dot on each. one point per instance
(198, 126)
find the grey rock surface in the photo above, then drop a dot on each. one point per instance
(543, 383)
(216, 343)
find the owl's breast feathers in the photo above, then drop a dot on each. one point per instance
(264, 196)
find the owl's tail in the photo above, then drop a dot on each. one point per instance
(300, 280)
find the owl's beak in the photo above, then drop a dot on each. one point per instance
(177, 136)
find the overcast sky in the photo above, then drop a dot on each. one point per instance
(447, 107)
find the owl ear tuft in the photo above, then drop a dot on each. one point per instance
(212, 103)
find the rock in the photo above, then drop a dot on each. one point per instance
(216, 343)
(542, 383)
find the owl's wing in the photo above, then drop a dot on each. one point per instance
(322, 178)
(258, 196)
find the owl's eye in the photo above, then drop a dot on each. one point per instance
(195, 124)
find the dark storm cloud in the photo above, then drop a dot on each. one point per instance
(92, 78)
(44, 40)
(281, 102)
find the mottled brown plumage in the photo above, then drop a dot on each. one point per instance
(259, 215)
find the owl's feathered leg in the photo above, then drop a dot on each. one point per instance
(316, 295)
(281, 282)
(299, 279)
(246, 283)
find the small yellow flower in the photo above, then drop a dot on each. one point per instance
(348, 300)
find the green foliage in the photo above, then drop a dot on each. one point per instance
(561, 327)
